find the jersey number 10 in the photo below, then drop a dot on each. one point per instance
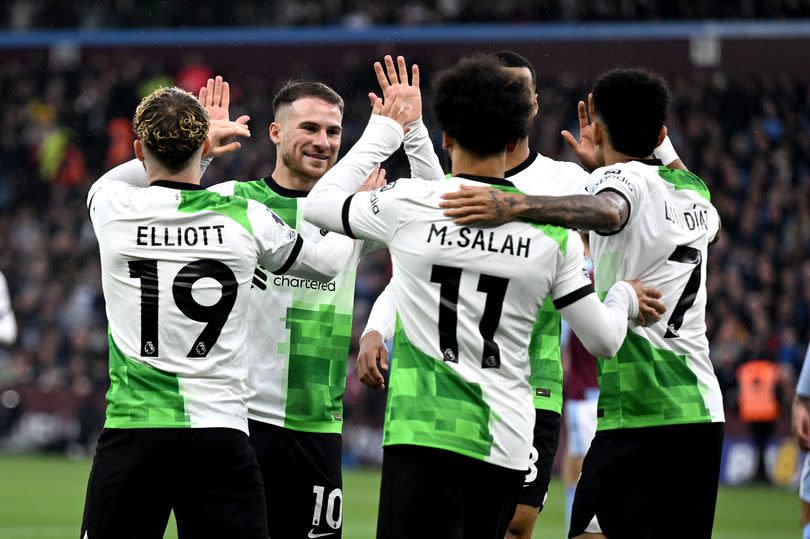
(214, 315)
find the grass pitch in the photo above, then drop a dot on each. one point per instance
(42, 498)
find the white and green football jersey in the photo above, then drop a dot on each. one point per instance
(540, 175)
(467, 299)
(299, 330)
(177, 264)
(662, 374)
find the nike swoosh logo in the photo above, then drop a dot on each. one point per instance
(313, 535)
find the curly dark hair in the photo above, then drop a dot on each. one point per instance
(293, 91)
(632, 103)
(482, 106)
(513, 59)
(172, 124)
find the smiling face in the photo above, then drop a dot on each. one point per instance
(307, 135)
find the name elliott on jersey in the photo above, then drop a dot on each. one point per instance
(487, 241)
(189, 236)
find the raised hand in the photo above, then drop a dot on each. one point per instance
(221, 134)
(392, 82)
(372, 351)
(215, 96)
(393, 107)
(585, 149)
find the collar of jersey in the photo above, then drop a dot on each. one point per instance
(523, 166)
(283, 191)
(177, 185)
(486, 179)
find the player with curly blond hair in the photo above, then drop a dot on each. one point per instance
(177, 262)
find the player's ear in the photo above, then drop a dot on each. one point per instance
(447, 141)
(275, 132)
(138, 145)
(512, 146)
(661, 136)
(536, 105)
(206, 145)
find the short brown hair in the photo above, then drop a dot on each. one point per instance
(172, 124)
(293, 91)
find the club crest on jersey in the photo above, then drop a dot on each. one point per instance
(291, 234)
(450, 356)
(387, 186)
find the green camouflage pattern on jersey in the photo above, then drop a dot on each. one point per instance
(429, 404)
(141, 396)
(320, 328)
(644, 386)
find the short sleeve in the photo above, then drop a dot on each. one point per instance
(375, 215)
(278, 244)
(625, 183)
(572, 281)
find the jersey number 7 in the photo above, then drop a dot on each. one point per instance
(494, 287)
(214, 315)
(684, 255)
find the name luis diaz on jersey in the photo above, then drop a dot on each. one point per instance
(691, 218)
(481, 240)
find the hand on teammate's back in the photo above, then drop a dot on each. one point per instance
(397, 83)
(650, 307)
(482, 206)
(372, 350)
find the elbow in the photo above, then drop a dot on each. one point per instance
(311, 214)
(604, 347)
(613, 220)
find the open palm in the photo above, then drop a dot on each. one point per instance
(393, 82)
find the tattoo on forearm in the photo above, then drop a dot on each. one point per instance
(583, 212)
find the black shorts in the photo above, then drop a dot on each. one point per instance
(209, 477)
(652, 482)
(302, 480)
(544, 449)
(427, 492)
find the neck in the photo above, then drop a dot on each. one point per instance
(612, 156)
(493, 166)
(520, 154)
(285, 178)
(190, 174)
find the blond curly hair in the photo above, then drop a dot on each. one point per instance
(172, 124)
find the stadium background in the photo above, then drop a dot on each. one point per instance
(72, 72)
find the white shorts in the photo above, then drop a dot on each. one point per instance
(580, 422)
(804, 482)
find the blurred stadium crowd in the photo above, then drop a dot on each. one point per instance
(59, 129)
(27, 14)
